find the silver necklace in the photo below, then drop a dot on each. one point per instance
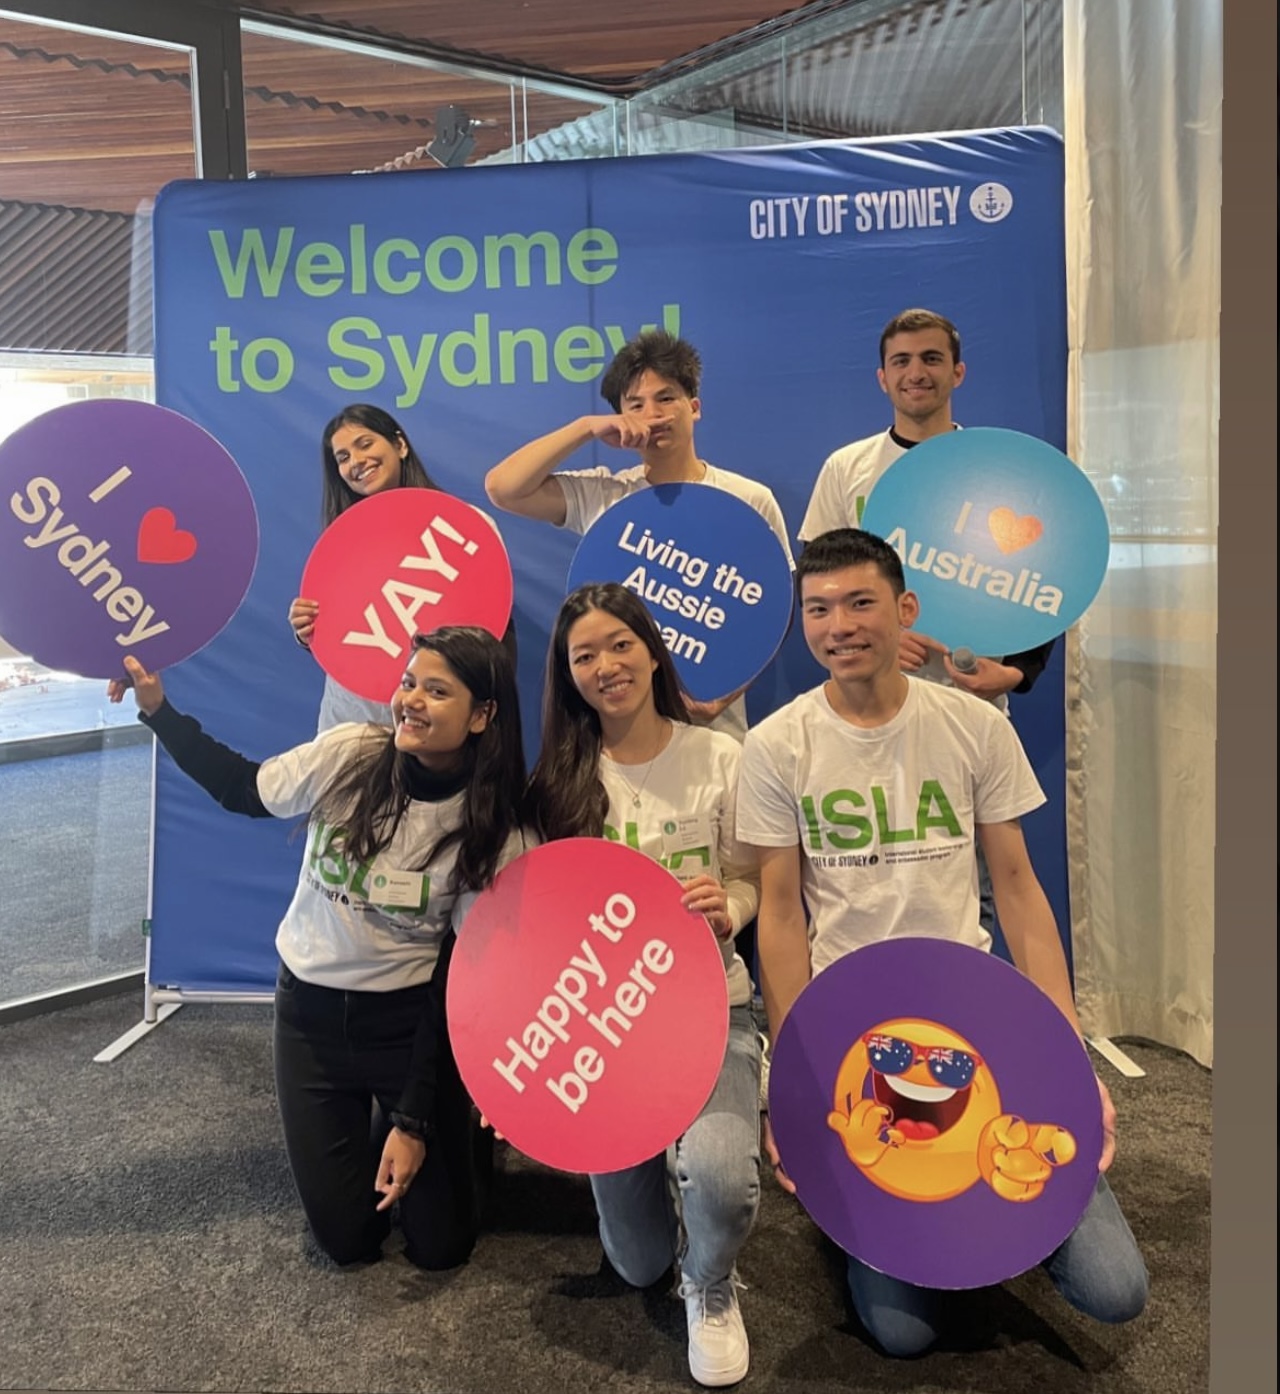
(635, 791)
(632, 789)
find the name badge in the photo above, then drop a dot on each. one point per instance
(402, 890)
(684, 833)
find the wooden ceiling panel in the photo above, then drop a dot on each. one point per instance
(101, 123)
(44, 42)
(592, 40)
(93, 122)
(81, 135)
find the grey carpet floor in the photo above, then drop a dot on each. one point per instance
(150, 1240)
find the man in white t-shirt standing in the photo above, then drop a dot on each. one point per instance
(920, 367)
(863, 799)
(652, 386)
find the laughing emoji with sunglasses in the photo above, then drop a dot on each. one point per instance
(919, 1114)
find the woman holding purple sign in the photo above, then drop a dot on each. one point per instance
(404, 828)
(620, 759)
(363, 451)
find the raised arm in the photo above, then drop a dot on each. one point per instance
(224, 774)
(524, 484)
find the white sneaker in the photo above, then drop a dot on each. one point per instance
(718, 1350)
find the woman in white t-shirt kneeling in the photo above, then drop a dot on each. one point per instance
(404, 828)
(619, 759)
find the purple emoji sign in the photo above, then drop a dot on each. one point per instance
(125, 528)
(937, 1113)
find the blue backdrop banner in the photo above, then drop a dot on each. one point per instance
(480, 307)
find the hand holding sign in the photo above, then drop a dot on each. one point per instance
(710, 569)
(302, 619)
(936, 1112)
(578, 980)
(148, 690)
(1002, 537)
(400, 562)
(124, 527)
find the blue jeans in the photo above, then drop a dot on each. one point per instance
(1097, 1268)
(716, 1172)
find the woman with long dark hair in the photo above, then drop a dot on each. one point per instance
(363, 451)
(405, 827)
(619, 759)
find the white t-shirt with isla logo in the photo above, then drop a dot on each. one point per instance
(685, 820)
(884, 817)
(375, 927)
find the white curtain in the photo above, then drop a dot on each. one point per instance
(1142, 119)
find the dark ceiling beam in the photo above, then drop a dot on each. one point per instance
(482, 65)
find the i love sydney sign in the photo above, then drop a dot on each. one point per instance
(125, 528)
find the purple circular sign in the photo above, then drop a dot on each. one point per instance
(125, 528)
(937, 1112)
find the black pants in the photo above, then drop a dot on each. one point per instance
(336, 1053)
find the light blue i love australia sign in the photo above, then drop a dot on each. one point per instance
(1003, 538)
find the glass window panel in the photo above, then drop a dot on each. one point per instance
(315, 109)
(94, 126)
(321, 108)
(91, 122)
(882, 67)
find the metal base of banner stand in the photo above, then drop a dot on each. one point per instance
(163, 996)
(134, 1034)
(1112, 1053)
(160, 1003)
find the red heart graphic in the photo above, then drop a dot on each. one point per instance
(161, 540)
(1012, 533)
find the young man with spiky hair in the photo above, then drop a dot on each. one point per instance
(873, 731)
(652, 386)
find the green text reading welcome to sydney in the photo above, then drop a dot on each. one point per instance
(253, 266)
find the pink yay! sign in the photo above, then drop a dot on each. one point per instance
(402, 562)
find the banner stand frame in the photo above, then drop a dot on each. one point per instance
(160, 1003)
(1116, 1057)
